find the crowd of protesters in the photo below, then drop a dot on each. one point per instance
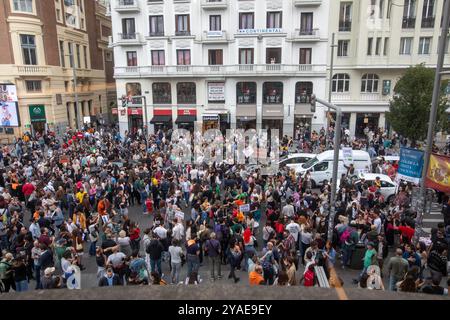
(66, 200)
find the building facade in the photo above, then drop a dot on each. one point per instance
(39, 39)
(376, 41)
(226, 64)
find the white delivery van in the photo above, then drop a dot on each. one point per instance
(321, 166)
(295, 160)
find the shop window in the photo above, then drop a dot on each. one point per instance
(162, 92)
(273, 92)
(246, 92)
(303, 92)
(186, 93)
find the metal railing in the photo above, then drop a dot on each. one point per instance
(409, 23)
(428, 22)
(182, 33)
(345, 26)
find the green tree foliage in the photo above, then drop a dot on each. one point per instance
(409, 110)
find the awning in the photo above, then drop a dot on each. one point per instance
(186, 119)
(161, 119)
(210, 117)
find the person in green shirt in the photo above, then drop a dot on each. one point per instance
(370, 258)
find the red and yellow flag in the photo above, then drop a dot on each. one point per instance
(438, 175)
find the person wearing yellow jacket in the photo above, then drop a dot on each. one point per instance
(80, 220)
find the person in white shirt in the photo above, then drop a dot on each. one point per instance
(175, 252)
(160, 231)
(288, 210)
(178, 230)
(377, 221)
(294, 229)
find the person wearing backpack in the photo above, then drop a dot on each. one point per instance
(213, 251)
(309, 277)
(348, 239)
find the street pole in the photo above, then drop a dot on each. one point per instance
(432, 119)
(330, 86)
(337, 143)
(145, 123)
(78, 111)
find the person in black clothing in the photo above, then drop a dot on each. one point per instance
(155, 249)
(434, 287)
(109, 279)
(437, 261)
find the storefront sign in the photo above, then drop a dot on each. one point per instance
(114, 111)
(210, 117)
(438, 174)
(273, 112)
(410, 165)
(217, 33)
(162, 112)
(216, 91)
(37, 113)
(135, 111)
(265, 30)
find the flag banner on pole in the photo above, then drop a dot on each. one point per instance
(438, 174)
(410, 165)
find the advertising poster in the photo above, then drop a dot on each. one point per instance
(8, 106)
(438, 174)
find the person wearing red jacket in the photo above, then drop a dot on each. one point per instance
(27, 189)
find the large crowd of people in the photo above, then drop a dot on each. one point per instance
(68, 200)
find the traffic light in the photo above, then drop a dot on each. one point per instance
(313, 103)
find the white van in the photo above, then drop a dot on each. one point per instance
(295, 160)
(321, 166)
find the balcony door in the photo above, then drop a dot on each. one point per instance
(128, 28)
(306, 23)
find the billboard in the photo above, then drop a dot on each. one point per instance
(438, 174)
(8, 106)
(410, 165)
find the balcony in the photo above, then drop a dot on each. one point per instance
(127, 39)
(428, 22)
(214, 36)
(373, 97)
(127, 6)
(307, 3)
(33, 70)
(409, 23)
(214, 4)
(306, 35)
(156, 34)
(241, 70)
(185, 33)
(345, 26)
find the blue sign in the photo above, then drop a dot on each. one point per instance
(410, 165)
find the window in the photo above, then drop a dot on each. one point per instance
(303, 92)
(186, 93)
(70, 44)
(128, 28)
(369, 83)
(273, 55)
(78, 56)
(28, 49)
(58, 14)
(62, 56)
(386, 46)
(71, 20)
(82, 23)
(162, 92)
(131, 58)
(389, 7)
(274, 19)
(33, 85)
(246, 20)
(272, 92)
(23, 5)
(246, 93)
(369, 46)
(182, 25)
(378, 47)
(405, 45)
(133, 89)
(305, 55)
(108, 56)
(215, 57)
(343, 48)
(345, 16)
(322, 166)
(215, 23)
(156, 26)
(85, 49)
(184, 57)
(428, 14)
(158, 58)
(380, 8)
(246, 56)
(341, 83)
(306, 23)
(424, 45)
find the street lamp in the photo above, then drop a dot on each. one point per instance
(337, 142)
(74, 71)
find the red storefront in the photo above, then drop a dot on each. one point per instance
(186, 119)
(162, 119)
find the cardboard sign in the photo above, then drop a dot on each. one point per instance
(64, 159)
(244, 208)
(179, 215)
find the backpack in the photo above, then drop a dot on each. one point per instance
(309, 278)
(345, 235)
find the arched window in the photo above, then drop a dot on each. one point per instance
(369, 83)
(186, 93)
(303, 92)
(341, 82)
(246, 92)
(161, 92)
(272, 92)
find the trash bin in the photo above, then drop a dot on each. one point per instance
(357, 262)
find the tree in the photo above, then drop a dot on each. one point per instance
(410, 107)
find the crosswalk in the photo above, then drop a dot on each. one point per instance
(432, 219)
